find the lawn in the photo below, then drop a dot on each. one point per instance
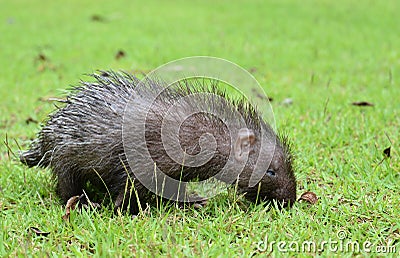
(314, 58)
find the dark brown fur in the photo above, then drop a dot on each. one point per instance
(83, 141)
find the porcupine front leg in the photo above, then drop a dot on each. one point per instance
(69, 184)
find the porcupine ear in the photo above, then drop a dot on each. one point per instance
(243, 143)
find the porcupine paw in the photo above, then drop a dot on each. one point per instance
(198, 204)
(84, 202)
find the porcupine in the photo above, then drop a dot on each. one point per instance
(82, 142)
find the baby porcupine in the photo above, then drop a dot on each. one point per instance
(83, 141)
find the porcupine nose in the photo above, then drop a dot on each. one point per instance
(286, 196)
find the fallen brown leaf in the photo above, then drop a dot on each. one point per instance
(71, 204)
(38, 232)
(120, 54)
(97, 18)
(30, 120)
(362, 103)
(309, 197)
(386, 152)
(41, 57)
(253, 69)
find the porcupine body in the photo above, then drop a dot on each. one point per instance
(83, 142)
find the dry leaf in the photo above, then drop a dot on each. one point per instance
(97, 18)
(120, 54)
(38, 232)
(200, 204)
(386, 152)
(309, 197)
(362, 103)
(253, 69)
(41, 57)
(71, 204)
(30, 120)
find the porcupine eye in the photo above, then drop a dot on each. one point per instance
(271, 173)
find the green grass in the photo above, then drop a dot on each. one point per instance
(322, 54)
